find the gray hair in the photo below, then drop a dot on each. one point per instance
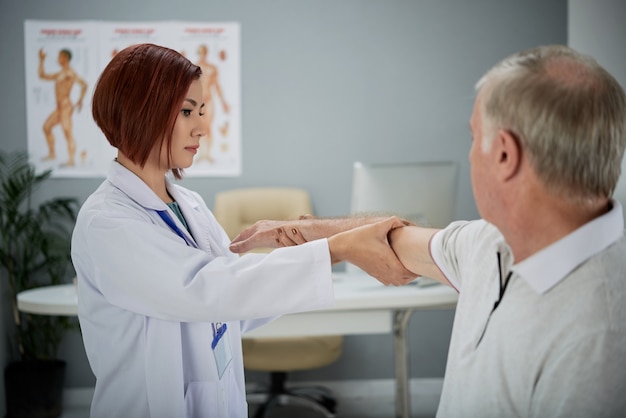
(568, 113)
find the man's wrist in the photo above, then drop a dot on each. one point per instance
(317, 228)
(336, 249)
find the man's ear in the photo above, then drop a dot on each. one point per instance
(509, 154)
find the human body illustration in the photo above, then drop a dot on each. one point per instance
(211, 88)
(64, 81)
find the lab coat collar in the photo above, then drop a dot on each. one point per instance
(179, 197)
(134, 187)
(548, 267)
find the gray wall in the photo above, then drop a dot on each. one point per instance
(597, 28)
(325, 83)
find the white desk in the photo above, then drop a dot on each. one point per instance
(49, 300)
(363, 306)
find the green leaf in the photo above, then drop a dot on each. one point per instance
(34, 249)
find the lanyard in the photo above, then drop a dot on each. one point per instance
(218, 331)
(166, 218)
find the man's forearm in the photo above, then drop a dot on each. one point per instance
(285, 233)
(317, 228)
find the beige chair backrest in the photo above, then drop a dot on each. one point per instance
(238, 209)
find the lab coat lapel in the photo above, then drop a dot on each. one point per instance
(162, 337)
(197, 223)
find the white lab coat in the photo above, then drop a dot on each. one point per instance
(147, 299)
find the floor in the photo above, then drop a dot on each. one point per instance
(356, 399)
(385, 410)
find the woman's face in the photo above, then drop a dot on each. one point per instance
(188, 129)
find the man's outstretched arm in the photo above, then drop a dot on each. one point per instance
(274, 234)
(361, 241)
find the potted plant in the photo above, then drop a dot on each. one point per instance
(34, 251)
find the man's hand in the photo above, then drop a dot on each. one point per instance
(368, 247)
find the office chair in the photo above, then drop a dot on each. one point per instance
(236, 210)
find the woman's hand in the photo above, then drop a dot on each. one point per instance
(368, 248)
(268, 234)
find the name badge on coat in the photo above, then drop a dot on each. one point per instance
(221, 348)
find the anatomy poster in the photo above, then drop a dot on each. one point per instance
(64, 60)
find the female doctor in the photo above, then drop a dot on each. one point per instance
(162, 302)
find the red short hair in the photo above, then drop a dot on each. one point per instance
(138, 97)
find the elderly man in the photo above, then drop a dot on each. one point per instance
(540, 326)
